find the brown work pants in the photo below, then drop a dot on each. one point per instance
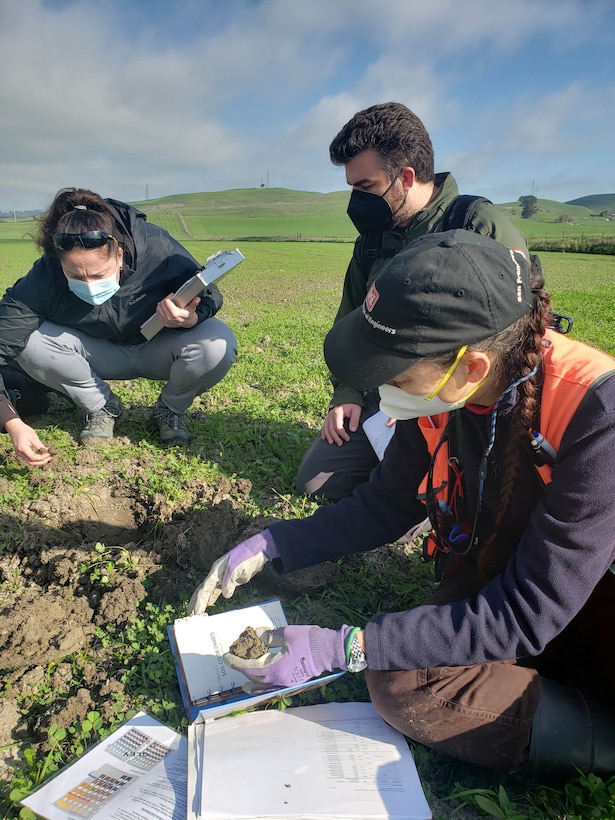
(483, 714)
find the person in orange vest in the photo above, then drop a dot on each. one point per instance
(505, 433)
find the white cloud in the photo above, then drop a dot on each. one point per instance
(197, 95)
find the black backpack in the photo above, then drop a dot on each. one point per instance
(458, 214)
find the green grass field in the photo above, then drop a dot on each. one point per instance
(582, 285)
(256, 213)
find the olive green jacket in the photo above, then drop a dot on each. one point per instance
(487, 220)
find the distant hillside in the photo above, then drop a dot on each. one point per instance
(597, 203)
(278, 213)
(262, 214)
(249, 202)
(253, 213)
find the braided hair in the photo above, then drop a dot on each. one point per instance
(517, 354)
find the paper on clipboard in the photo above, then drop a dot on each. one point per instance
(378, 433)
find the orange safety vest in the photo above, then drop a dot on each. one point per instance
(570, 369)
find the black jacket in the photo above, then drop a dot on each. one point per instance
(154, 266)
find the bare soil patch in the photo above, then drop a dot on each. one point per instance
(52, 591)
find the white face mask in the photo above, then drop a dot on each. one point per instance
(397, 404)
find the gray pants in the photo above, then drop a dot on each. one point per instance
(78, 365)
(332, 471)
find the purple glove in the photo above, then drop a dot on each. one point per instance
(306, 652)
(233, 569)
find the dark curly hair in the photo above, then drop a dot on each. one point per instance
(73, 210)
(391, 130)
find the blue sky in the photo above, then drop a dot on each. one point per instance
(181, 96)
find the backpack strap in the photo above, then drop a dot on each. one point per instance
(371, 249)
(461, 210)
(458, 214)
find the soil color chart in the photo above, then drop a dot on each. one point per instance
(138, 772)
(135, 748)
(138, 749)
(89, 796)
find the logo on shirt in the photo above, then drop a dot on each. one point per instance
(137, 299)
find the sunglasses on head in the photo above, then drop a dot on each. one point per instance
(90, 239)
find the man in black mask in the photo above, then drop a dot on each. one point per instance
(396, 197)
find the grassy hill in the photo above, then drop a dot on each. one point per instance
(253, 213)
(279, 213)
(596, 202)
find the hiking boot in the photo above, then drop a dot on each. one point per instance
(99, 425)
(171, 426)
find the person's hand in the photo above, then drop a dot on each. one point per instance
(27, 444)
(173, 316)
(233, 569)
(299, 654)
(333, 429)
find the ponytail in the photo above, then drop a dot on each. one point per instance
(73, 210)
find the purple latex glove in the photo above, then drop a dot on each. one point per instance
(305, 653)
(233, 569)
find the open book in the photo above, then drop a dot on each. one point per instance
(216, 266)
(209, 687)
(330, 761)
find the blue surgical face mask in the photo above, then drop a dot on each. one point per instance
(94, 293)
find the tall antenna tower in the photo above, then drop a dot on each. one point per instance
(533, 188)
(147, 191)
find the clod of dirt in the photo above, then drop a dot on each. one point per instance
(248, 645)
(39, 628)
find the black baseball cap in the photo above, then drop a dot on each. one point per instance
(442, 291)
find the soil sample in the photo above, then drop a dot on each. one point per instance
(248, 645)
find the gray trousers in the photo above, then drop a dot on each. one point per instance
(79, 365)
(332, 471)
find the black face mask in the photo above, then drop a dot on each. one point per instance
(371, 212)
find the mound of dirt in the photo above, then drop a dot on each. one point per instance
(87, 558)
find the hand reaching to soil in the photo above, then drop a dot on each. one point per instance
(299, 654)
(27, 444)
(233, 569)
